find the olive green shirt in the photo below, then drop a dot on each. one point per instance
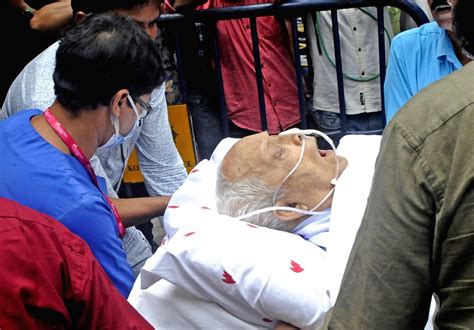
(417, 234)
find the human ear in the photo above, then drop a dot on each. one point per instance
(289, 215)
(117, 101)
(79, 17)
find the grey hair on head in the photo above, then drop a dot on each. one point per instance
(238, 198)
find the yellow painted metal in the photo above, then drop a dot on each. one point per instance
(183, 139)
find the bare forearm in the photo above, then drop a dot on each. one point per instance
(135, 211)
(52, 17)
(21, 5)
(180, 4)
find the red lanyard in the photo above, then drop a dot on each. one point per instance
(77, 152)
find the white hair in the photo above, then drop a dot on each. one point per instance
(238, 198)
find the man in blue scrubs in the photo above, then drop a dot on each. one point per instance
(106, 69)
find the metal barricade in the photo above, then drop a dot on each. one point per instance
(292, 9)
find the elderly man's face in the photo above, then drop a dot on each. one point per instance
(271, 158)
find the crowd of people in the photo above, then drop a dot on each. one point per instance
(75, 112)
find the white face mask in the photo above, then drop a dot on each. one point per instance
(310, 132)
(116, 138)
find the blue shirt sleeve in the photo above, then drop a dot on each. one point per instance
(93, 221)
(397, 84)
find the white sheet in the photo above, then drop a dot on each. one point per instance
(167, 306)
(349, 202)
(253, 272)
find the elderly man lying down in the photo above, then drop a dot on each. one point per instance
(216, 272)
(285, 176)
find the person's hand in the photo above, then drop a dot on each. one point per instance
(52, 17)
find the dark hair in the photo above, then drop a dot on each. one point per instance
(102, 6)
(464, 24)
(102, 55)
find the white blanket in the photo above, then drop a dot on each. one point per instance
(350, 199)
(257, 275)
(167, 306)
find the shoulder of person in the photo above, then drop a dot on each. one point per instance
(437, 104)
(424, 30)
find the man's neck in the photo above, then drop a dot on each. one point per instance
(81, 128)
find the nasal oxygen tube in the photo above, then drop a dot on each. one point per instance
(333, 181)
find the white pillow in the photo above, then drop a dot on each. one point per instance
(252, 272)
